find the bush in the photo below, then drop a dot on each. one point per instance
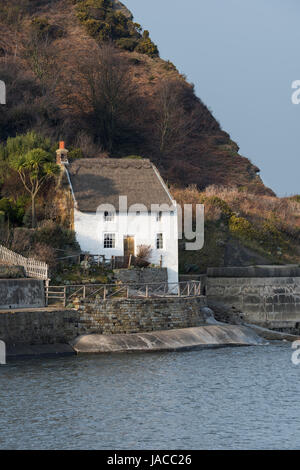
(49, 233)
(75, 153)
(104, 23)
(22, 240)
(146, 46)
(129, 44)
(241, 227)
(46, 253)
(44, 30)
(13, 211)
(214, 202)
(143, 256)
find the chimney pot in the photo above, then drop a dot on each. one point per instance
(62, 154)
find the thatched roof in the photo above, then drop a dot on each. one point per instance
(102, 181)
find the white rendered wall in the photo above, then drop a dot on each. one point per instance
(90, 229)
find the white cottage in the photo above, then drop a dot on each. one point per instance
(121, 204)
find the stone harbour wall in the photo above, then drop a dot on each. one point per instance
(50, 326)
(273, 302)
(140, 315)
(141, 276)
(38, 326)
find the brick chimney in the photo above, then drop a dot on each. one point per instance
(62, 154)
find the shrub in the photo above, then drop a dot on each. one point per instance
(104, 23)
(214, 202)
(143, 255)
(75, 153)
(13, 211)
(44, 30)
(56, 236)
(22, 240)
(146, 46)
(46, 253)
(129, 44)
(241, 227)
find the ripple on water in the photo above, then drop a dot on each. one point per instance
(228, 398)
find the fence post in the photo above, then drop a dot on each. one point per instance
(84, 292)
(147, 291)
(104, 293)
(127, 292)
(129, 262)
(179, 293)
(47, 292)
(65, 296)
(189, 289)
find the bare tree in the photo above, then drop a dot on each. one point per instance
(175, 120)
(108, 93)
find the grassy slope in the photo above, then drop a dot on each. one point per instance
(242, 229)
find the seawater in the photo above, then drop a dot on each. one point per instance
(231, 398)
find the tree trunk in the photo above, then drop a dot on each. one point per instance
(33, 215)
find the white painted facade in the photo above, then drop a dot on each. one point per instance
(144, 227)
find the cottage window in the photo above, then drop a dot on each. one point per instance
(109, 240)
(109, 216)
(159, 241)
(159, 216)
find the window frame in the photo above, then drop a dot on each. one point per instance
(109, 216)
(111, 241)
(159, 243)
(159, 216)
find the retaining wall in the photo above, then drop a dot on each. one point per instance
(106, 317)
(140, 315)
(266, 295)
(141, 276)
(21, 293)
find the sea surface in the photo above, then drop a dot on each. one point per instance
(231, 398)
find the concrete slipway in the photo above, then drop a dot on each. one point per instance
(208, 336)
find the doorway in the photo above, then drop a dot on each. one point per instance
(128, 246)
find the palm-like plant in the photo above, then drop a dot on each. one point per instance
(34, 168)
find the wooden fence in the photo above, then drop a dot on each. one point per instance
(33, 268)
(66, 294)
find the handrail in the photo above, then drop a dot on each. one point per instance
(33, 268)
(138, 290)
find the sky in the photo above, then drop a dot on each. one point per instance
(242, 56)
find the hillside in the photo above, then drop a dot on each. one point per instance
(84, 72)
(46, 48)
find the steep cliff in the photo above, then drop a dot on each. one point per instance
(51, 57)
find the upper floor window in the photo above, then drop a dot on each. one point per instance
(109, 216)
(159, 216)
(109, 240)
(159, 241)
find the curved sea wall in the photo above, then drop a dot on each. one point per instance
(209, 336)
(266, 295)
(50, 326)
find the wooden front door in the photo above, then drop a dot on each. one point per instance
(128, 246)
